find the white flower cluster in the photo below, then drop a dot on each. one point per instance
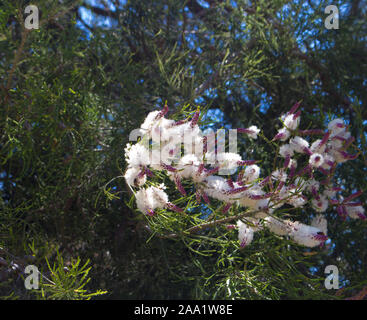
(161, 144)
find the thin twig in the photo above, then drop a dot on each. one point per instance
(211, 224)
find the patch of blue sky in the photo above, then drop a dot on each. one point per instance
(205, 211)
(233, 3)
(343, 9)
(313, 270)
(213, 118)
(92, 20)
(2, 176)
(159, 102)
(203, 3)
(241, 34)
(199, 100)
(344, 282)
(211, 93)
(265, 103)
(190, 40)
(107, 116)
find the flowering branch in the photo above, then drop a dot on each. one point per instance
(204, 162)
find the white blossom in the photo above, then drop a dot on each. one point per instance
(286, 150)
(305, 235)
(284, 134)
(298, 144)
(279, 175)
(133, 176)
(328, 160)
(147, 200)
(245, 233)
(330, 192)
(253, 132)
(355, 212)
(251, 173)
(317, 148)
(296, 200)
(137, 155)
(149, 121)
(312, 184)
(291, 122)
(277, 226)
(316, 160)
(321, 204)
(227, 160)
(216, 187)
(188, 166)
(320, 222)
(336, 126)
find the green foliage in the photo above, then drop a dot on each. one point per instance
(66, 282)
